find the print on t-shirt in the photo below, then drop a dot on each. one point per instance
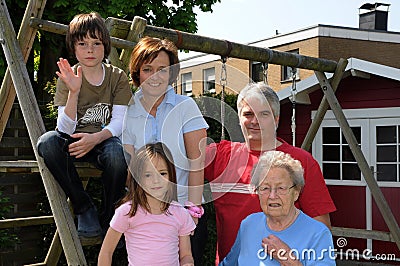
(98, 115)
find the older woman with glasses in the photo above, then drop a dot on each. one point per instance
(281, 234)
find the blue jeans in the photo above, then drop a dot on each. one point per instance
(107, 156)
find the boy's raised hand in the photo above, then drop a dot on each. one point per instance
(66, 74)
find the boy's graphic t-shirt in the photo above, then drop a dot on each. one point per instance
(95, 102)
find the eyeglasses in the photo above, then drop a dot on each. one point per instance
(263, 190)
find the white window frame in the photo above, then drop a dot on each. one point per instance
(208, 78)
(384, 122)
(187, 83)
(286, 71)
(368, 119)
(318, 152)
(260, 73)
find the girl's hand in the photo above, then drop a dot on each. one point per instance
(85, 144)
(196, 221)
(66, 74)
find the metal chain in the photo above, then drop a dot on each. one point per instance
(265, 72)
(294, 92)
(223, 82)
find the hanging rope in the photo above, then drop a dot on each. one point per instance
(223, 82)
(265, 72)
(294, 92)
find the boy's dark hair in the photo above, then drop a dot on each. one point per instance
(84, 25)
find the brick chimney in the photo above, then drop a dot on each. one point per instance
(373, 19)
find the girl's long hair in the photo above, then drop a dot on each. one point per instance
(136, 194)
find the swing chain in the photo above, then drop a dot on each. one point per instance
(265, 72)
(294, 92)
(223, 82)
(294, 89)
(223, 78)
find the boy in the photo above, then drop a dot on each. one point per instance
(91, 98)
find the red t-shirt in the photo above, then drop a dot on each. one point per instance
(228, 168)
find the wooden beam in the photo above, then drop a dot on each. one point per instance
(120, 29)
(359, 156)
(28, 221)
(362, 233)
(54, 252)
(59, 28)
(26, 36)
(323, 106)
(62, 215)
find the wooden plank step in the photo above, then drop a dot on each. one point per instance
(28, 221)
(84, 169)
(363, 234)
(41, 220)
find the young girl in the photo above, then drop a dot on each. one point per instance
(156, 227)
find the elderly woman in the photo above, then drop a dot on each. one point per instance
(281, 234)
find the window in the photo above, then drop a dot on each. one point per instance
(286, 71)
(187, 84)
(377, 131)
(209, 80)
(338, 162)
(387, 153)
(257, 74)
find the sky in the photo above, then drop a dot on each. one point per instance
(245, 21)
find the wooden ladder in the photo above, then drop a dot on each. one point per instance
(85, 171)
(17, 82)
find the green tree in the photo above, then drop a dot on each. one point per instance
(174, 14)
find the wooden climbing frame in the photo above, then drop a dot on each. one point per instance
(125, 34)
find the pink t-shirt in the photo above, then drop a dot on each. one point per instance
(153, 239)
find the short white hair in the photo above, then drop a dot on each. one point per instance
(277, 159)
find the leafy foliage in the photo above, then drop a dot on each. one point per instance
(7, 238)
(51, 89)
(210, 106)
(174, 14)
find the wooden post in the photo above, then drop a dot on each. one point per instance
(136, 30)
(26, 36)
(361, 161)
(55, 251)
(30, 110)
(323, 106)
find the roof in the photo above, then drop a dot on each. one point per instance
(355, 67)
(319, 30)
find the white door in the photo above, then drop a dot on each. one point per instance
(378, 133)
